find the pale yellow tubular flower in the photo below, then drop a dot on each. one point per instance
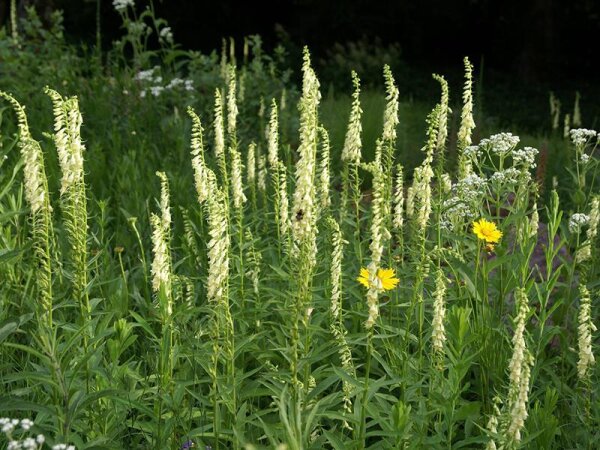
(324, 177)
(236, 179)
(585, 330)
(262, 173)
(303, 226)
(251, 164)
(377, 242)
(232, 109)
(577, 111)
(519, 372)
(198, 162)
(442, 133)
(218, 125)
(534, 221)
(398, 218)
(567, 126)
(390, 114)
(353, 143)
(410, 201)
(467, 124)
(284, 214)
(273, 136)
(336, 310)
(438, 335)
(165, 208)
(218, 245)
(161, 262)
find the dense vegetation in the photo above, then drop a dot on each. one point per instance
(195, 251)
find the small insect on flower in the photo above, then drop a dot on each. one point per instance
(385, 279)
(487, 231)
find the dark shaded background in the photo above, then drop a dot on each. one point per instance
(526, 47)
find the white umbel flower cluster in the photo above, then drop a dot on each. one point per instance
(581, 136)
(501, 143)
(577, 221)
(585, 330)
(122, 5)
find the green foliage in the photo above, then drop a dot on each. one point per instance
(272, 364)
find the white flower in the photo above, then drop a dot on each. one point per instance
(525, 156)
(581, 136)
(14, 445)
(156, 90)
(501, 143)
(121, 5)
(577, 221)
(26, 424)
(145, 75)
(7, 427)
(585, 158)
(143, 93)
(29, 444)
(189, 85)
(166, 34)
(40, 439)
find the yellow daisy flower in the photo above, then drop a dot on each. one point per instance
(487, 231)
(385, 279)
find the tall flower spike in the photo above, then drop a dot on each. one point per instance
(273, 136)
(218, 125)
(577, 111)
(236, 179)
(161, 238)
(585, 330)
(232, 109)
(390, 114)
(519, 368)
(467, 124)
(398, 219)
(353, 144)
(218, 246)
(438, 336)
(251, 164)
(198, 162)
(324, 177)
(442, 133)
(377, 240)
(284, 214)
(36, 194)
(303, 227)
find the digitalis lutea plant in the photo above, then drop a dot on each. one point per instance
(467, 124)
(70, 148)
(37, 195)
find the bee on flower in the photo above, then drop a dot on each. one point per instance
(486, 231)
(382, 280)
